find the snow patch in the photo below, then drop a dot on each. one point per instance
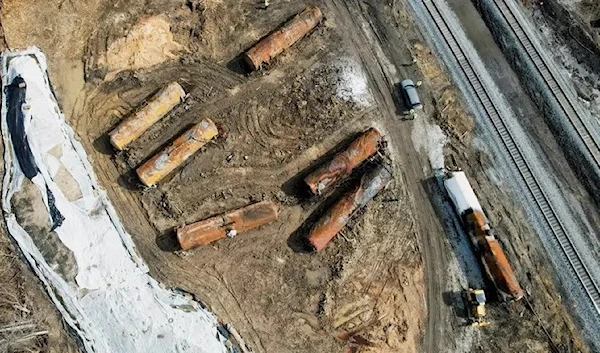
(430, 139)
(352, 83)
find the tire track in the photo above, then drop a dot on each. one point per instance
(427, 224)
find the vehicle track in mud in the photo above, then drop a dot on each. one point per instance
(430, 230)
(208, 184)
(278, 300)
(479, 39)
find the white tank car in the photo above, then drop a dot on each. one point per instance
(460, 191)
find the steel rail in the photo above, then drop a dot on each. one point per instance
(564, 100)
(520, 162)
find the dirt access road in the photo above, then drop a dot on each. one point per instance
(277, 123)
(387, 277)
(384, 76)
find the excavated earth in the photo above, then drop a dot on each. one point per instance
(389, 280)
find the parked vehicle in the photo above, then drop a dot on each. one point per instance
(410, 95)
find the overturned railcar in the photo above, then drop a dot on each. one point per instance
(477, 226)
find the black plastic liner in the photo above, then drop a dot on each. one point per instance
(57, 217)
(15, 97)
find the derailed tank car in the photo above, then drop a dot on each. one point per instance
(477, 226)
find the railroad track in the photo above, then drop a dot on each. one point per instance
(520, 162)
(565, 101)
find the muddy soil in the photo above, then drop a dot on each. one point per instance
(572, 23)
(29, 321)
(544, 326)
(380, 278)
(277, 124)
(566, 27)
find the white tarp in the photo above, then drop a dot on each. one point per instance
(112, 304)
(461, 193)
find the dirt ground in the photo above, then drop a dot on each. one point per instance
(518, 239)
(277, 124)
(385, 280)
(571, 21)
(566, 27)
(29, 321)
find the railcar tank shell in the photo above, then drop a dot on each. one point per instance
(461, 193)
(276, 42)
(158, 106)
(337, 169)
(500, 270)
(477, 226)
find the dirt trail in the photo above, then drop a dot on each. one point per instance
(449, 112)
(383, 82)
(386, 276)
(277, 123)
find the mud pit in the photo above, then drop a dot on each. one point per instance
(277, 123)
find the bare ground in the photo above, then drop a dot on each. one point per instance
(548, 326)
(28, 320)
(565, 27)
(384, 279)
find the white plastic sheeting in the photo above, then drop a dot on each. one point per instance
(112, 304)
(461, 193)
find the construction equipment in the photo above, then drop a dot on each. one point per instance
(276, 42)
(226, 225)
(155, 109)
(363, 147)
(476, 225)
(476, 307)
(334, 220)
(164, 162)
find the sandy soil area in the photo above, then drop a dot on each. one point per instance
(388, 278)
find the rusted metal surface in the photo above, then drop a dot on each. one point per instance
(500, 269)
(218, 227)
(477, 226)
(339, 214)
(284, 37)
(493, 257)
(157, 107)
(164, 162)
(344, 162)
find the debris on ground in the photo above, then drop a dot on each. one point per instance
(372, 293)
